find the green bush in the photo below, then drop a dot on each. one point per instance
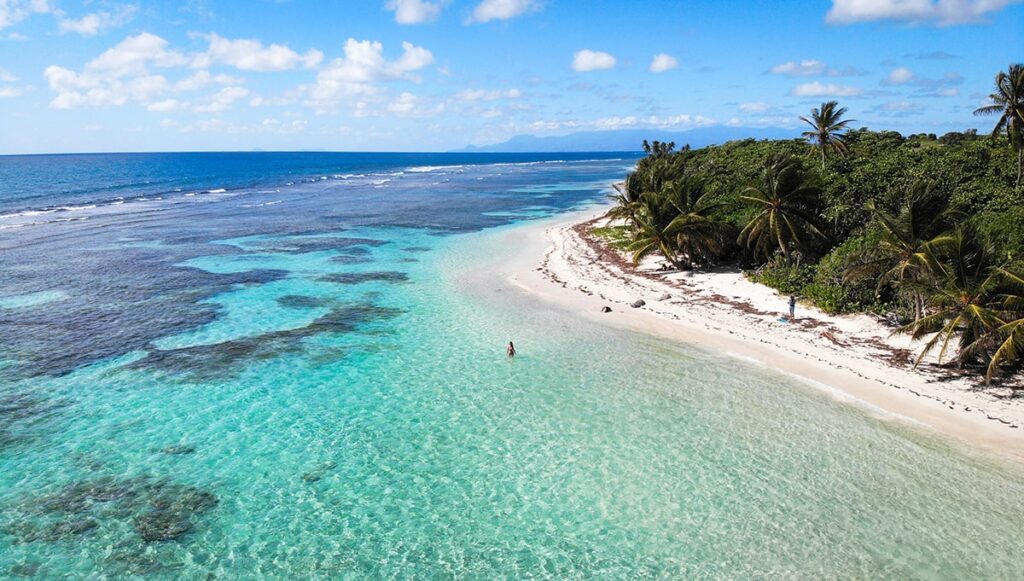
(782, 276)
(823, 283)
(1006, 230)
(832, 292)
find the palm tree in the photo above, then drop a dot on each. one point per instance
(1008, 102)
(905, 255)
(1007, 339)
(627, 199)
(826, 124)
(786, 201)
(649, 179)
(655, 229)
(964, 301)
(699, 234)
(658, 148)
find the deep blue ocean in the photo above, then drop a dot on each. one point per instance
(292, 366)
(35, 182)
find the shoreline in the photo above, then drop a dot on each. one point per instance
(852, 357)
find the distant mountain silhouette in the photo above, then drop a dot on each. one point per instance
(631, 139)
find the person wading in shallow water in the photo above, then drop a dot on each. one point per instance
(510, 350)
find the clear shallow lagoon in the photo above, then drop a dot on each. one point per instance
(308, 381)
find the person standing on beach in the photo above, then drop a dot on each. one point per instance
(792, 306)
(510, 350)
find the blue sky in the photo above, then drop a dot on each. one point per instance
(432, 75)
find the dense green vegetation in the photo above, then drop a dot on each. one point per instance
(927, 230)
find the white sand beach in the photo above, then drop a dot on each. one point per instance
(855, 358)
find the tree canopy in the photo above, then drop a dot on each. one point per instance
(922, 228)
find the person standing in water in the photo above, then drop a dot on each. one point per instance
(510, 350)
(792, 306)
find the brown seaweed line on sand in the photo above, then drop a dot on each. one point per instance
(613, 264)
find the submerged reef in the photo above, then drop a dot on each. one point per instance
(361, 277)
(158, 510)
(219, 360)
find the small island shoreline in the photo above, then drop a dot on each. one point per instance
(854, 358)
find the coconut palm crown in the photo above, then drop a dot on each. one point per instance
(904, 256)
(785, 200)
(1008, 103)
(827, 123)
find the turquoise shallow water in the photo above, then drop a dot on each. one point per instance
(353, 415)
(414, 448)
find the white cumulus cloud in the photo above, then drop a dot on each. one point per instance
(276, 126)
(682, 121)
(485, 95)
(362, 68)
(14, 11)
(165, 105)
(222, 100)
(74, 89)
(119, 75)
(900, 76)
(804, 68)
(202, 79)
(818, 89)
(124, 74)
(127, 74)
(414, 11)
(286, 99)
(663, 62)
(489, 10)
(939, 12)
(134, 54)
(754, 107)
(592, 60)
(94, 23)
(252, 55)
(404, 104)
